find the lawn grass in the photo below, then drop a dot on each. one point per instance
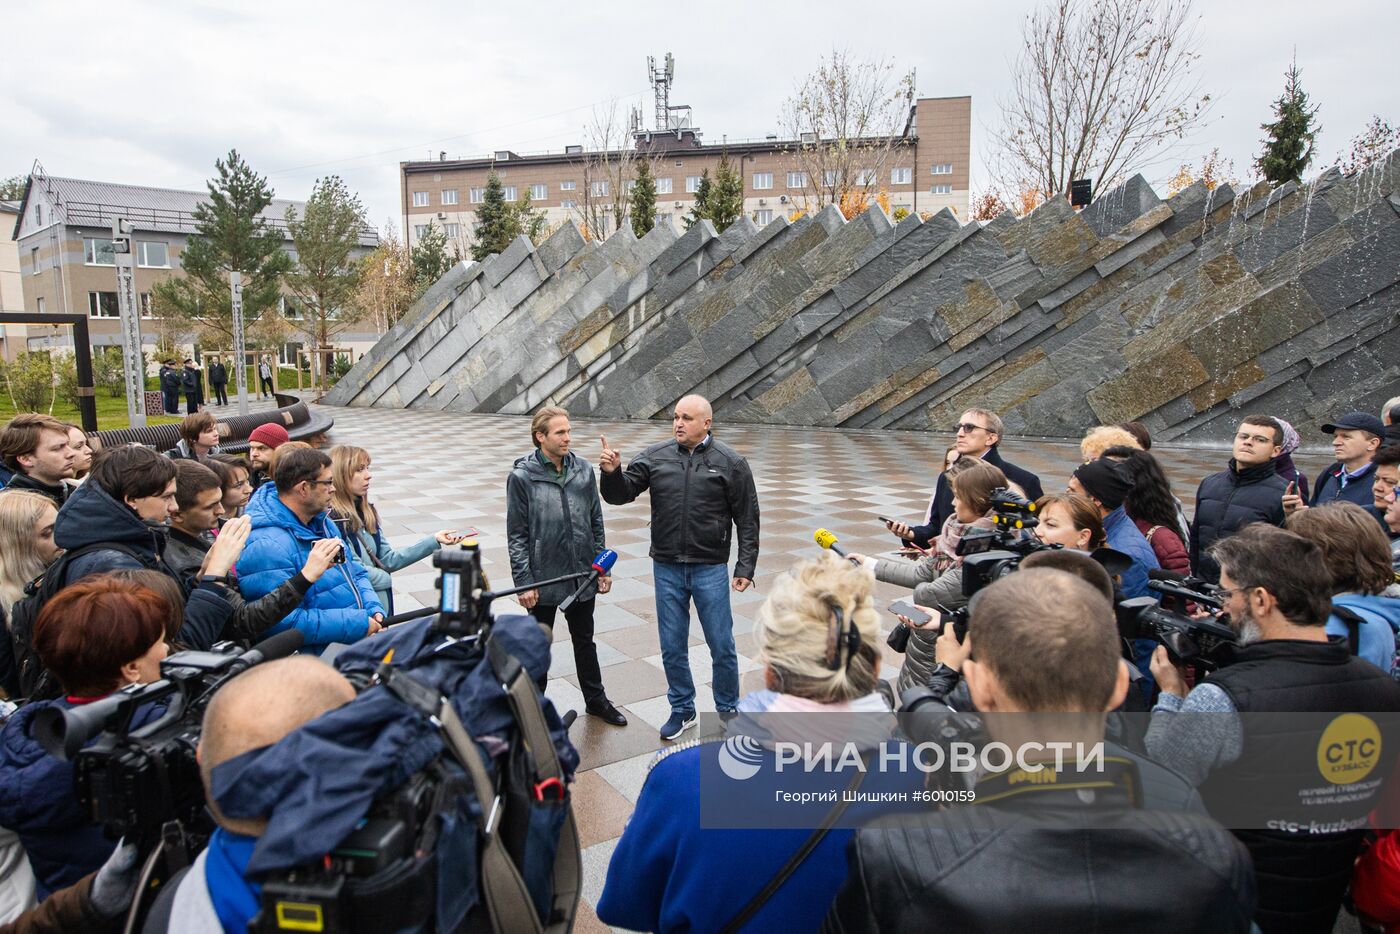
(111, 413)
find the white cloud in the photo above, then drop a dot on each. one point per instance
(154, 92)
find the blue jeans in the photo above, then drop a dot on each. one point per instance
(708, 586)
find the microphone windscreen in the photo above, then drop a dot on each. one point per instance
(280, 645)
(605, 560)
(824, 538)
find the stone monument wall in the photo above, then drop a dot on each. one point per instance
(1183, 314)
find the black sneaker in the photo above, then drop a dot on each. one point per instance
(607, 713)
(678, 724)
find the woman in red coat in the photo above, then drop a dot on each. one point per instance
(1152, 508)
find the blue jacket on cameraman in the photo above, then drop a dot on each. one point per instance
(337, 608)
(38, 802)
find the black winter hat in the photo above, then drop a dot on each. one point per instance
(1107, 481)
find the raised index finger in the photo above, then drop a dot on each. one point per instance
(605, 442)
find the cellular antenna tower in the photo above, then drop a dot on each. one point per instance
(666, 117)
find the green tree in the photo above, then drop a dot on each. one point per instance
(12, 188)
(726, 201)
(701, 208)
(643, 199)
(29, 380)
(230, 234)
(525, 219)
(492, 233)
(430, 258)
(1288, 148)
(326, 238)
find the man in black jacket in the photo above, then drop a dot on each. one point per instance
(190, 382)
(977, 434)
(218, 381)
(35, 449)
(170, 385)
(554, 526)
(1297, 789)
(1067, 846)
(1249, 490)
(700, 490)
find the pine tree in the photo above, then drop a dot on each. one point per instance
(492, 233)
(430, 258)
(326, 274)
(726, 201)
(1288, 148)
(643, 199)
(230, 234)
(701, 208)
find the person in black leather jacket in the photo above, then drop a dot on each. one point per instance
(701, 489)
(1249, 490)
(1038, 855)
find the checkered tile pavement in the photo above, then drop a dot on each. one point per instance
(433, 470)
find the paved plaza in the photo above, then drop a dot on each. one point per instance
(434, 471)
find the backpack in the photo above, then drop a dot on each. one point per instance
(1354, 618)
(35, 681)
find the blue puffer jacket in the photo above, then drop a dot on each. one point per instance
(1381, 621)
(37, 801)
(337, 608)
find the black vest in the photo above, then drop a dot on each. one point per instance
(1321, 729)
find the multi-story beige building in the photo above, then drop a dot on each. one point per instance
(12, 336)
(66, 264)
(926, 171)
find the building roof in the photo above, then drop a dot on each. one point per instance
(9, 207)
(86, 203)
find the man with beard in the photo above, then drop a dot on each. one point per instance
(1254, 772)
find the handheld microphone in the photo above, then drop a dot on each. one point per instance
(602, 564)
(829, 542)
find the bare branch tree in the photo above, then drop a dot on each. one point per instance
(606, 165)
(1100, 88)
(848, 119)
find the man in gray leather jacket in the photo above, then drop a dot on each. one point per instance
(554, 526)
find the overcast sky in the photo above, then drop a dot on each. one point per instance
(152, 93)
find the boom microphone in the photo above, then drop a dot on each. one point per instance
(829, 542)
(600, 567)
(279, 646)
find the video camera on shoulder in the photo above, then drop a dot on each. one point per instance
(991, 554)
(1203, 641)
(137, 782)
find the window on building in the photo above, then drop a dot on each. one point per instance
(566, 203)
(599, 189)
(942, 168)
(34, 261)
(289, 354)
(420, 231)
(762, 180)
(865, 177)
(98, 252)
(829, 177)
(449, 196)
(944, 189)
(797, 179)
(153, 253)
(291, 307)
(144, 300)
(453, 231)
(763, 217)
(663, 186)
(103, 305)
(39, 304)
(569, 185)
(901, 176)
(477, 195)
(39, 214)
(692, 183)
(420, 199)
(511, 192)
(539, 192)
(663, 218)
